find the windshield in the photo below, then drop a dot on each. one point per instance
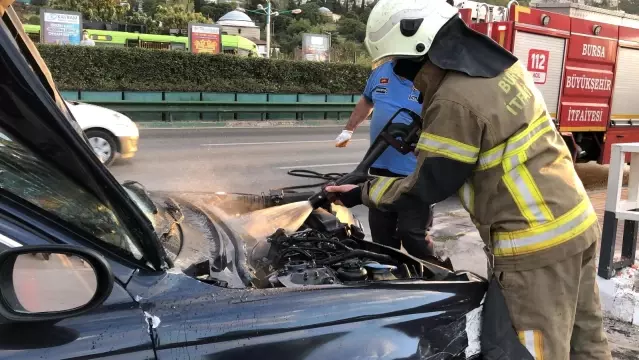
(27, 176)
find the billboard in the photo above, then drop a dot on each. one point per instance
(60, 27)
(205, 38)
(316, 47)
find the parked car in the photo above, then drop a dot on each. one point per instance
(112, 135)
(138, 275)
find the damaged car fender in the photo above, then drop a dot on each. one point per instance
(382, 321)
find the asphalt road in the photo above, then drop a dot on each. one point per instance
(251, 160)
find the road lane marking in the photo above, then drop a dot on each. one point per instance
(277, 142)
(314, 166)
(66, 262)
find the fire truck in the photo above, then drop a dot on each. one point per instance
(585, 62)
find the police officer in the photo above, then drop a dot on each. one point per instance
(384, 94)
(488, 135)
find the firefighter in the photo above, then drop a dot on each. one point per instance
(488, 136)
(385, 93)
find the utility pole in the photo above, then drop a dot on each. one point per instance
(267, 11)
(268, 29)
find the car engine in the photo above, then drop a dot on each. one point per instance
(327, 252)
(328, 249)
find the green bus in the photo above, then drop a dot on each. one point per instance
(231, 44)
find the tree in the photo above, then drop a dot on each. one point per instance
(629, 6)
(93, 10)
(352, 29)
(175, 17)
(140, 18)
(351, 15)
(310, 11)
(216, 11)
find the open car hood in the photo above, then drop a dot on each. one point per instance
(200, 235)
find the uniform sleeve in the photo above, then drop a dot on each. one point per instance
(370, 86)
(448, 150)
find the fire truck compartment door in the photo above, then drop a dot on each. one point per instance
(624, 94)
(556, 47)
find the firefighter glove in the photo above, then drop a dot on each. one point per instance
(343, 138)
(349, 198)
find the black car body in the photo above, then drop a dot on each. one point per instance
(187, 284)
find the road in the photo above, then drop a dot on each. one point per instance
(250, 160)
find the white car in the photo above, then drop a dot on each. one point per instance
(111, 134)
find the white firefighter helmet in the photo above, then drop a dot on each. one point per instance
(405, 28)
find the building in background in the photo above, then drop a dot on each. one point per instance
(238, 23)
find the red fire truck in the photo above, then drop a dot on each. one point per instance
(585, 62)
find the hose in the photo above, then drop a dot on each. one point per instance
(310, 174)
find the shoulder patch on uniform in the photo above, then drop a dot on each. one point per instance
(383, 80)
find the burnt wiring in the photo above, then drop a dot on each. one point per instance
(314, 246)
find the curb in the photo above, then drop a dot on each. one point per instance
(620, 296)
(241, 124)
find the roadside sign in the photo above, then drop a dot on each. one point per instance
(60, 27)
(538, 64)
(316, 47)
(205, 38)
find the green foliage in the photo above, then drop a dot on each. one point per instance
(135, 69)
(352, 29)
(93, 10)
(33, 20)
(216, 11)
(174, 17)
(629, 6)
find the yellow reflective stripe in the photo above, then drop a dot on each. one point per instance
(516, 144)
(534, 343)
(546, 235)
(379, 187)
(449, 148)
(467, 196)
(524, 191)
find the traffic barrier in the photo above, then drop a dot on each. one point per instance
(620, 209)
(178, 106)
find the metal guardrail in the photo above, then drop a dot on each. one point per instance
(620, 209)
(168, 107)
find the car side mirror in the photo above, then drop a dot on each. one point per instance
(52, 282)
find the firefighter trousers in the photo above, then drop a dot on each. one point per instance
(408, 228)
(556, 309)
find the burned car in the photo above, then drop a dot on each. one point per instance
(133, 274)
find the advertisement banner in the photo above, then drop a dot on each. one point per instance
(316, 47)
(60, 27)
(205, 38)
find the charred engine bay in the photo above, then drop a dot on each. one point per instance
(328, 250)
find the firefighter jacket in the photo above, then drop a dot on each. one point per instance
(493, 141)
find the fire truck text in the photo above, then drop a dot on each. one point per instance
(512, 80)
(588, 83)
(594, 51)
(581, 115)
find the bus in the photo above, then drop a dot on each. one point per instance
(231, 44)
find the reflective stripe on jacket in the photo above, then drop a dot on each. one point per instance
(522, 191)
